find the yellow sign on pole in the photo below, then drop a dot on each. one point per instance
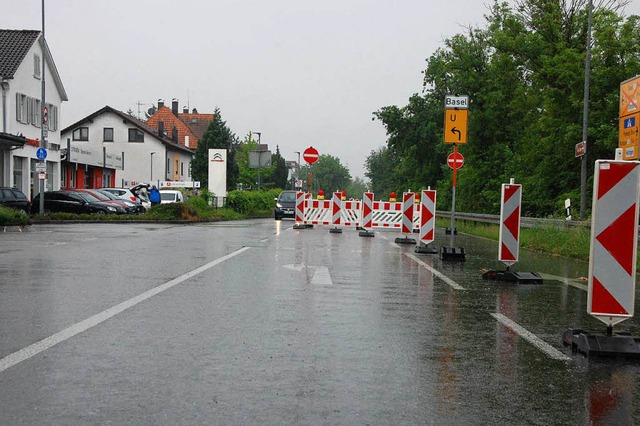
(455, 126)
(630, 96)
(628, 136)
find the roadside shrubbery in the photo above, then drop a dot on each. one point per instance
(252, 203)
(13, 217)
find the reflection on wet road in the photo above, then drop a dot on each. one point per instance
(253, 322)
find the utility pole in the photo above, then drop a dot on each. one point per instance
(585, 120)
(43, 130)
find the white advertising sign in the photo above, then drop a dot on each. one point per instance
(218, 173)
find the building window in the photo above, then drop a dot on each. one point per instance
(181, 169)
(52, 121)
(81, 134)
(108, 134)
(35, 112)
(21, 108)
(37, 70)
(136, 135)
(176, 170)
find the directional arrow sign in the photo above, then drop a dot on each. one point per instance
(455, 126)
(320, 276)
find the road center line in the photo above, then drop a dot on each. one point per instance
(531, 338)
(437, 273)
(67, 333)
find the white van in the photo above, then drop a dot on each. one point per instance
(170, 196)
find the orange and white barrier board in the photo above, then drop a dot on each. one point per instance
(614, 227)
(300, 202)
(407, 212)
(367, 210)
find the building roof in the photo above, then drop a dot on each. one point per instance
(197, 123)
(169, 120)
(14, 46)
(134, 121)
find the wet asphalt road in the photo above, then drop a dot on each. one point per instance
(253, 322)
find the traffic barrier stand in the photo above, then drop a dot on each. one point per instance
(612, 261)
(509, 238)
(336, 213)
(367, 215)
(300, 205)
(407, 223)
(427, 222)
(350, 213)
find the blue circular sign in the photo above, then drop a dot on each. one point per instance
(41, 153)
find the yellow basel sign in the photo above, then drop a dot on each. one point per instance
(628, 136)
(630, 96)
(455, 125)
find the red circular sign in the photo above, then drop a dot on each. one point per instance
(455, 160)
(310, 155)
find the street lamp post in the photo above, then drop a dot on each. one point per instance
(259, 134)
(297, 168)
(585, 119)
(151, 177)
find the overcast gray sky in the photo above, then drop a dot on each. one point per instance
(302, 73)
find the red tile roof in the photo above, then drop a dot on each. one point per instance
(169, 120)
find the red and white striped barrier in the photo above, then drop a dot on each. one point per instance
(351, 213)
(336, 207)
(317, 212)
(408, 207)
(427, 216)
(300, 198)
(367, 210)
(509, 238)
(614, 227)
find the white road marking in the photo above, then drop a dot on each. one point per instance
(321, 276)
(295, 267)
(531, 338)
(437, 273)
(67, 333)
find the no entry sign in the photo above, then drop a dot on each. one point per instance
(310, 155)
(455, 160)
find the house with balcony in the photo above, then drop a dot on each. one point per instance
(111, 148)
(25, 59)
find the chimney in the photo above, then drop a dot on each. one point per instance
(195, 111)
(160, 103)
(174, 134)
(161, 128)
(174, 106)
(186, 141)
(185, 110)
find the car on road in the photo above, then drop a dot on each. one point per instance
(14, 198)
(171, 196)
(68, 201)
(285, 205)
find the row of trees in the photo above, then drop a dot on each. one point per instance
(524, 74)
(327, 173)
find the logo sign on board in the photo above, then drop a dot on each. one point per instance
(218, 172)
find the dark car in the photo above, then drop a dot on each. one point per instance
(71, 202)
(14, 198)
(119, 204)
(285, 205)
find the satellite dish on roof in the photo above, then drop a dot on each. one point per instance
(151, 111)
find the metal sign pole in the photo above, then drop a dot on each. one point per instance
(453, 195)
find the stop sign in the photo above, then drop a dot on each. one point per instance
(310, 155)
(455, 160)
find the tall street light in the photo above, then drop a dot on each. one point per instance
(258, 133)
(585, 120)
(297, 168)
(151, 177)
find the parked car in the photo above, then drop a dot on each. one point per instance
(14, 198)
(171, 196)
(142, 203)
(131, 206)
(120, 205)
(72, 202)
(285, 205)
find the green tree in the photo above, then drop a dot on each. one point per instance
(217, 136)
(327, 174)
(357, 187)
(280, 173)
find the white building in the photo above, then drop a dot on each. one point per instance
(23, 55)
(112, 148)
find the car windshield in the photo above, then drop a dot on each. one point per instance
(108, 195)
(288, 197)
(87, 197)
(168, 196)
(100, 196)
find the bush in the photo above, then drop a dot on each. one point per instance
(253, 203)
(13, 217)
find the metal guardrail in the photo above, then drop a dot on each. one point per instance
(525, 222)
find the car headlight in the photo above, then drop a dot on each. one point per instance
(111, 209)
(278, 205)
